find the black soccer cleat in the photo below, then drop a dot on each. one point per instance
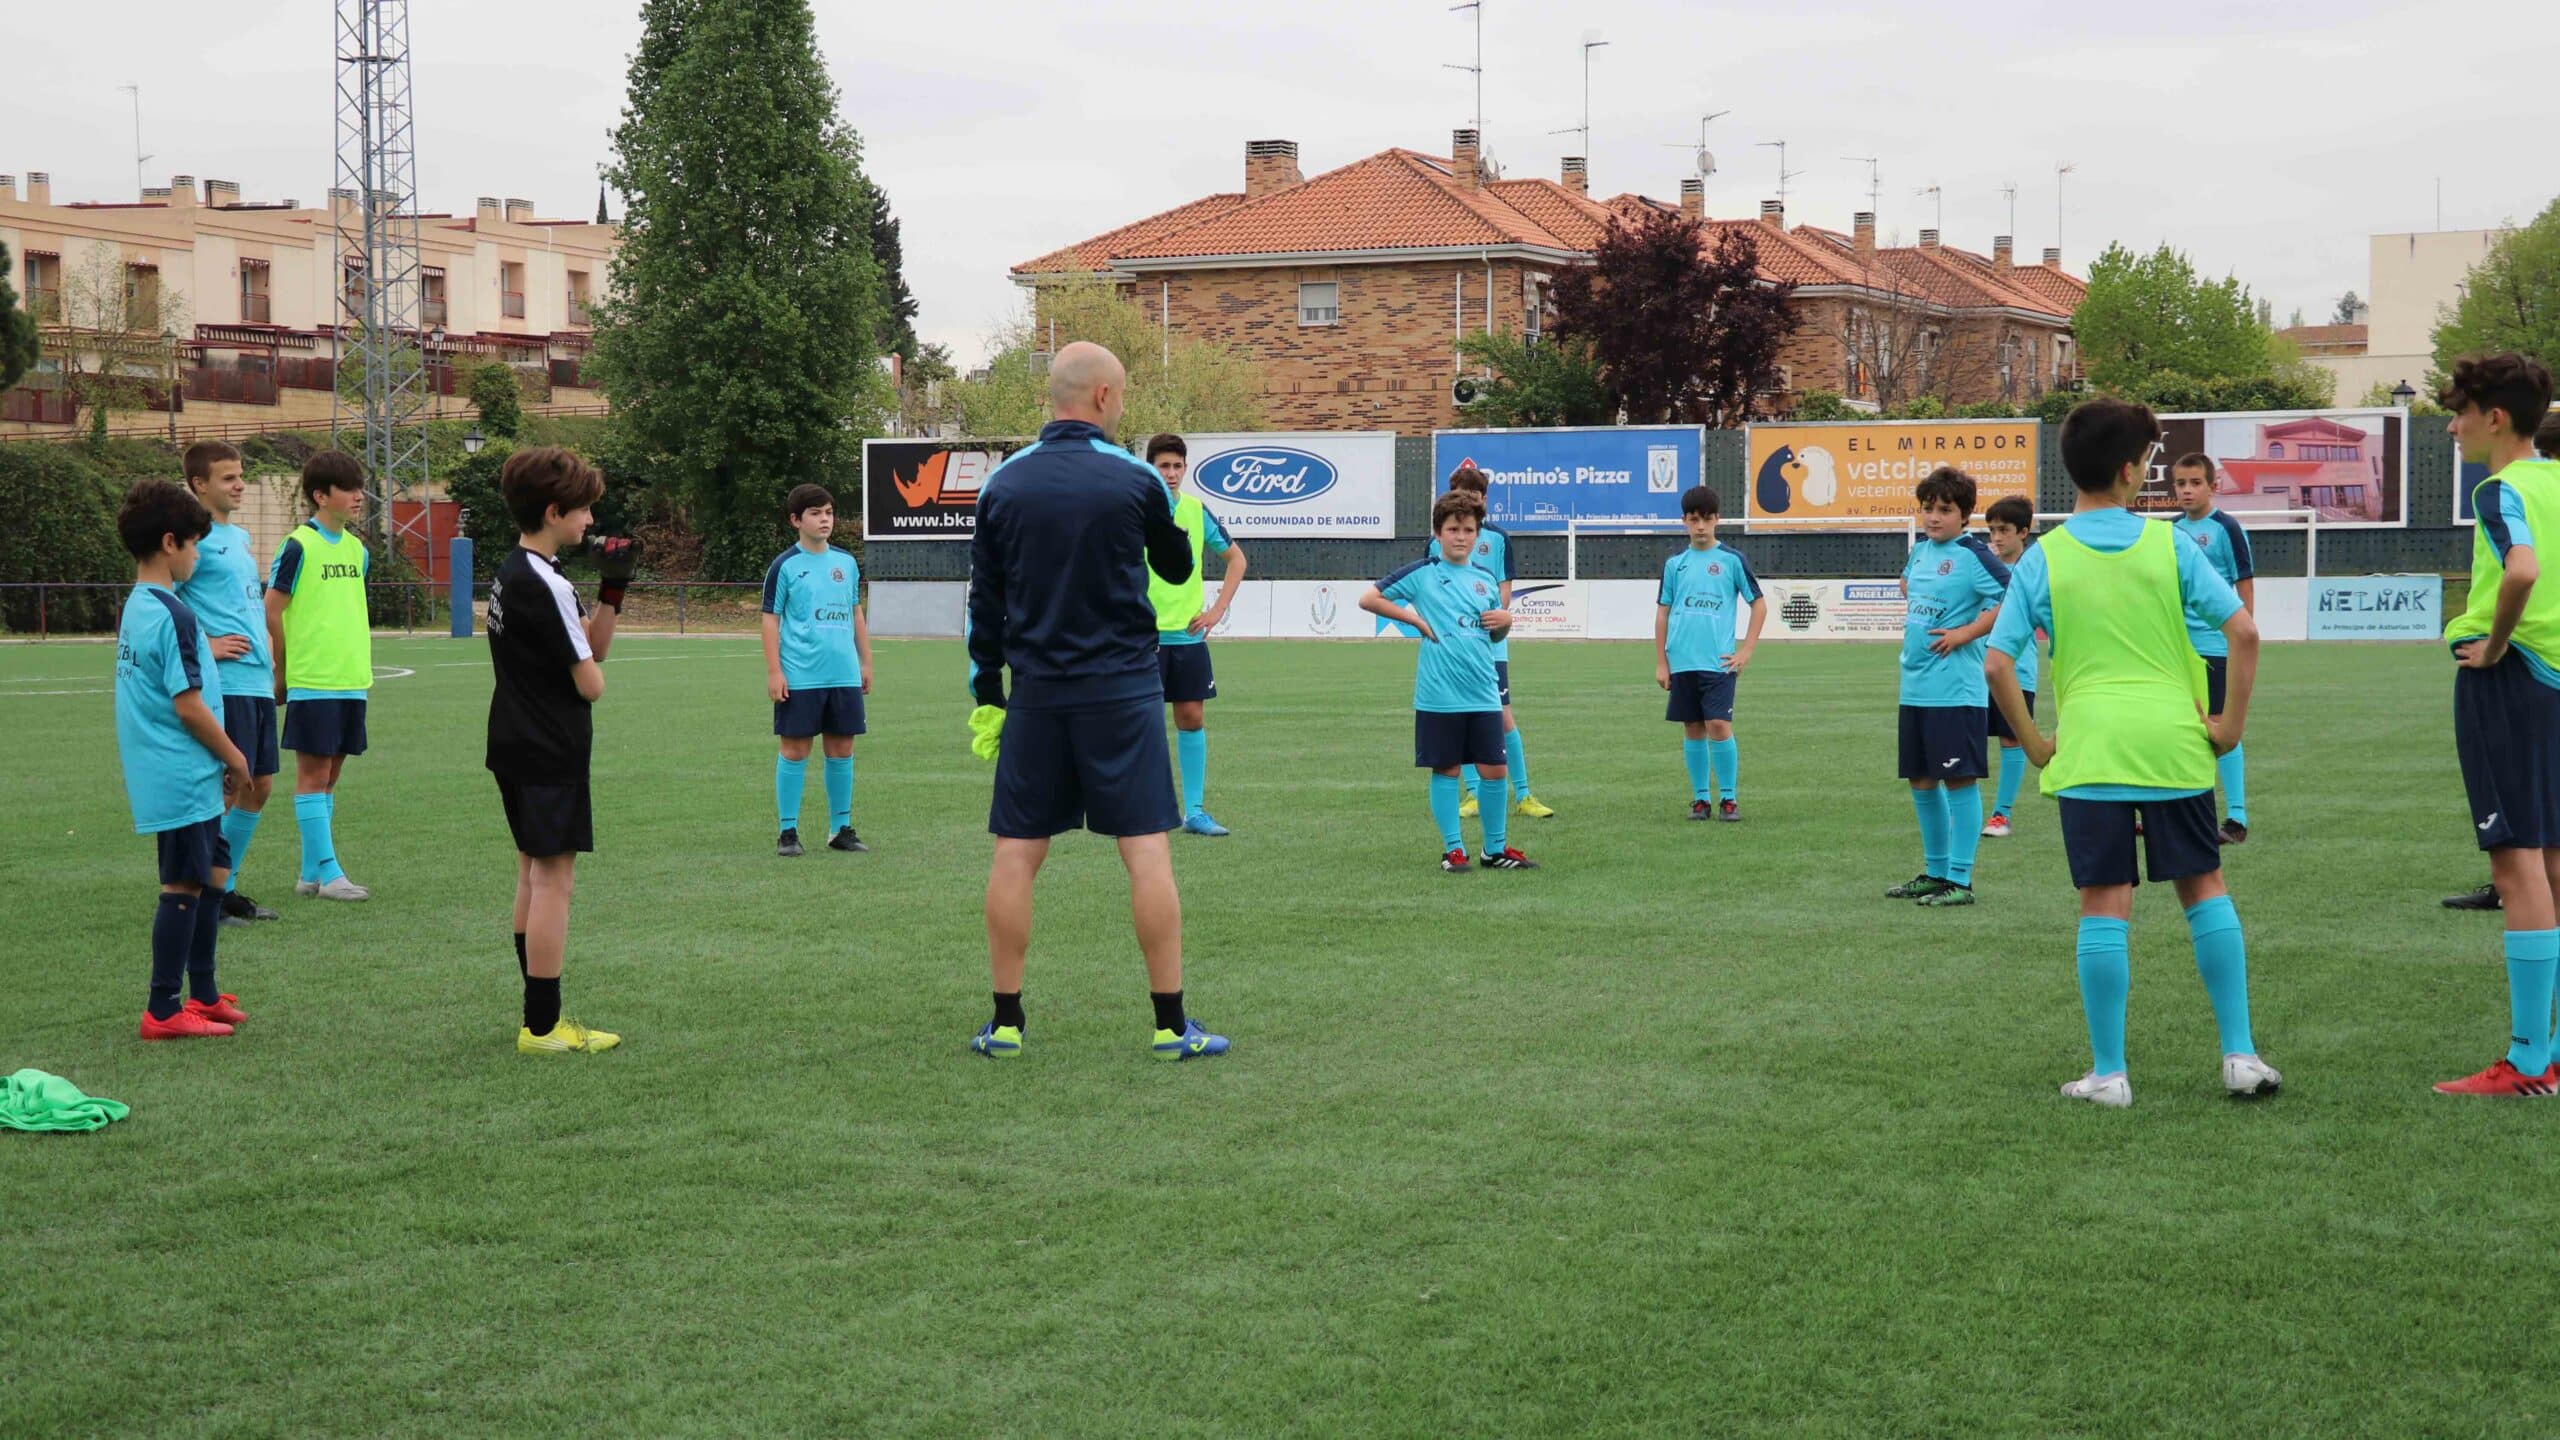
(787, 844)
(1509, 859)
(2484, 898)
(848, 842)
(239, 909)
(1701, 810)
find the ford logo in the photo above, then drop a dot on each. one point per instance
(1264, 475)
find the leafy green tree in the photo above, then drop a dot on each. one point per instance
(2348, 305)
(2148, 315)
(897, 328)
(1554, 382)
(19, 345)
(737, 341)
(1174, 384)
(2421, 405)
(496, 399)
(2510, 300)
(1819, 405)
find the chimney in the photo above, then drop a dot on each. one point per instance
(1270, 165)
(488, 209)
(182, 192)
(1463, 155)
(2001, 248)
(39, 188)
(1577, 175)
(222, 192)
(342, 203)
(1773, 213)
(2053, 256)
(155, 192)
(1865, 231)
(8, 187)
(1928, 239)
(519, 211)
(1693, 199)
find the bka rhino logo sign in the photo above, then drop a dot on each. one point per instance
(1265, 475)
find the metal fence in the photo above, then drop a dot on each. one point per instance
(45, 609)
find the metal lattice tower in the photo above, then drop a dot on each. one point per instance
(376, 211)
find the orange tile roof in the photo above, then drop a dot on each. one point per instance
(2310, 335)
(1095, 254)
(2061, 290)
(1393, 200)
(1573, 218)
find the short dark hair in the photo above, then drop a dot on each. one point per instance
(1946, 485)
(2015, 511)
(2517, 384)
(1454, 504)
(1164, 443)
(1468, 477)
(536, 481)
(331, 470)
(2100, 437)
(1701, 500)
(156, 509)
(804, 498)
(203, 455)
(2194, 460)
(2547, 438)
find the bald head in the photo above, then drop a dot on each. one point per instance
(1087, 382)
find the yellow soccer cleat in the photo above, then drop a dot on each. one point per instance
(1467, 807)
(1535, 808)
(565, 1037)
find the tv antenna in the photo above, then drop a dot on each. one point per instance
(2009, 190)
(1784, 174)
(1938, 198)
(1590, 41)
(1477, 69)
(138, 157)
(1875, 180)
(2060, 170)
(1704, 158)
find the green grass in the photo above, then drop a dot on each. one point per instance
(1687, 1133)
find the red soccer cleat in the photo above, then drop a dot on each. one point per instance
(1455, 862)
(185, 1025)
(224, 1011)
(2504, 1079)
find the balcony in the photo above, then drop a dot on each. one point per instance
(578, 310)
(45, 305)
(30, 406)
(301, 373)
(254, 309)
(511, 304)
(237, 387)
(431, 314)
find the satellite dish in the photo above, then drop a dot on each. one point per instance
(1706, 162)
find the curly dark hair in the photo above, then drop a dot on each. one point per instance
(2518, 384)
(157, 510)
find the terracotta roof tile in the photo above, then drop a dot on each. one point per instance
(1095, 254)
(1575, 219)
(2061, 291)
(1393, 200)
(2326, 334)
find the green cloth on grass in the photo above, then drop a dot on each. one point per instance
(34, 1100)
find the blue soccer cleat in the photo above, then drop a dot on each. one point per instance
(1193, 1043)
(998, 1042)
(1199, 823)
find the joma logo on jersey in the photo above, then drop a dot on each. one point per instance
(340, 570)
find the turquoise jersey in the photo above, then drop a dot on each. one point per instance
(1493, 556)
(813, 596)
(1454, 674)
(1949, 584)
(229, 597)
(2201, 589)
(170, 779)
(2225, 547)
(1706, 592)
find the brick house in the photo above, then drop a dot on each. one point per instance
(1351, 290)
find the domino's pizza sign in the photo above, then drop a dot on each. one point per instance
(1272, 475)
(1307, 485)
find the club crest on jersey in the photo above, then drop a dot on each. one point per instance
(1946, 567)
(836, 574)
(1715, 567)
(1481, 591)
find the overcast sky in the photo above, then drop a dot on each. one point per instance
(2267, 140)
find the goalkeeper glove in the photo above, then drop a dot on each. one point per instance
(617, 558)
(986, 725)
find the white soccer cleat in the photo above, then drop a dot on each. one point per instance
(2247, 1075)
(341, 888)
(2112, 1091)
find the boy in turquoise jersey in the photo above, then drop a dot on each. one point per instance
(320, 636)
(1183, 623)
(178, 765)
(1694, 654)
(1493, 555)
(2011, 522)
(2226, 548)
(1455, 605)
(228, 595)
(2506, 698)
(1952, 585)
(817, 667)
(2132, 740)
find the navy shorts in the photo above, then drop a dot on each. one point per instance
(2000, 723)
(1187, 674)
(250, 721)
(1502, 679)
(827, 710)
(1105, 769)
(1945, 742)
(548, 820)
(1700, 695)
(191, 853)
(324, 727)
(1445, 740)
(2180, 838)
(2214, 665)
(2506, 731)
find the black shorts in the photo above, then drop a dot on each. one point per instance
(2180, 838)
(250, 721)
(1502, 679)
(324, 727)
(2000, 723)
(1700, 695)
(191, 853)
(1445, 740)
(1187, 674)
(548, 820)
(2214, 666)
(1106, 769)
(2506, 731)
(1945, 742)
(827, 710)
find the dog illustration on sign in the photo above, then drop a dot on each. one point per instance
(1790, 473)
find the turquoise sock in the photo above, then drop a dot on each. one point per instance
(1693, 753)
(2106, 976)
(1964, 830)
(1444, 812)
(1518, 761)
(1931, 805)
(1726, 757)
(2533, 960)
(2222, 962)
(239, 827)
(331, 870)
(1496, 820)
(2235, 784)
(789, 777)
(2013, 772)
(1467, 777)
(839, 778)
(1191, 757)
(319, 851)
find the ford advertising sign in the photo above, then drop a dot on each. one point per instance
(1309, 485)
(1264, 475)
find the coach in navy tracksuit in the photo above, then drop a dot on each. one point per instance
(1067, 530)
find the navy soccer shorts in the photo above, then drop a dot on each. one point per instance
(2506, 732)
(1502, 679)
(2214, 666)
(191, 853)
(1700, 695)
(1187, 673)
(827, 710)
(2180, 838)
(250, 721)
(1945, 742)
(1106, 769)
(324, 727)
(2000, 723)
(1445, 740)
(548, 820)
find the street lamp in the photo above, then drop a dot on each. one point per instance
(2401, 394)
(472, 440)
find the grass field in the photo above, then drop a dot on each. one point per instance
(1688, 1133)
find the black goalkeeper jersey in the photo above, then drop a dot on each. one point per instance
(541, 730)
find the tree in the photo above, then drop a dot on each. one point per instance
(1816, 405)
(2510, 300)
(2421, 405)
(2148, 315)
(1681, 331)
(20, 344)
(496, 398)
(2348, 305)
(897, 329)
(1174, 383)
(1552, 382)
(118, 341)
(600, 215)
(737, 340)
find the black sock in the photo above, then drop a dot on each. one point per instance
(173, 936)
(541, 1003)
(200, 983)
(1168, 1009)
(521, 971)
(1009, 1009)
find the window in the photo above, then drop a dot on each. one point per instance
(43, 297)
(254, 306)
(431, 306)
(1319, 303)
(577, 297)
(2275, 450)
(511, 290)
